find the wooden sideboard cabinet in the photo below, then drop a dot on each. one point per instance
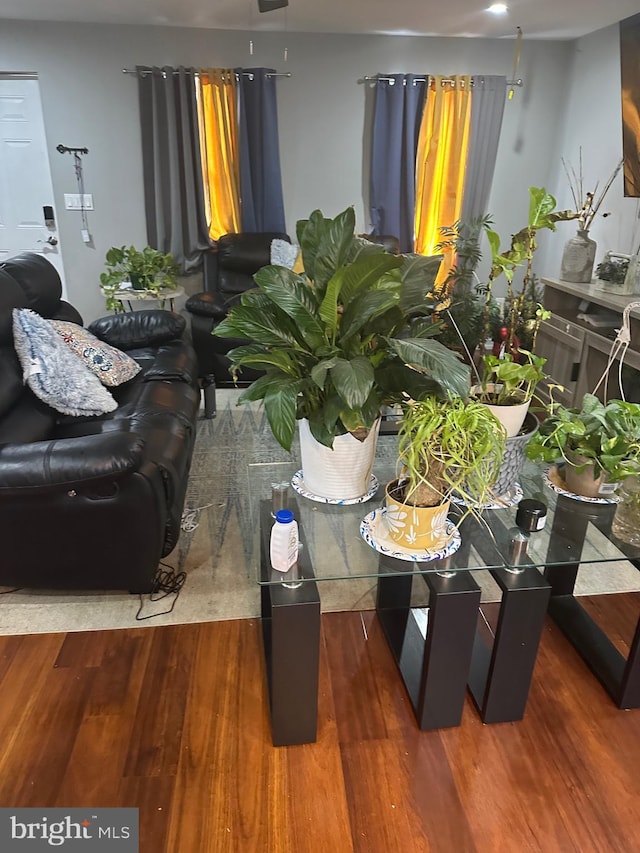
(577, 340)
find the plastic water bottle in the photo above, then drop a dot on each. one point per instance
(283, 547)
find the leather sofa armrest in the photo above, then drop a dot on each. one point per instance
(137, 329)
(69, 463)
(208, 305)
(174, 361)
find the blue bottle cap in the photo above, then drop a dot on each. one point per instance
(284, 516)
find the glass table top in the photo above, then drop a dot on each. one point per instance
(574, 532)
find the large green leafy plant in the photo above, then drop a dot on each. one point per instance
(349, 335)
(605, 434)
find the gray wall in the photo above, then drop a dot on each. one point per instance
(592, 120)
(87, 101)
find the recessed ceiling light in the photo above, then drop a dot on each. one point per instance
(498, 9)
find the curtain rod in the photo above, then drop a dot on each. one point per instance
(376, 77)
(18, 75)
(248, 74)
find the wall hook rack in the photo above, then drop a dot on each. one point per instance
(64, 149)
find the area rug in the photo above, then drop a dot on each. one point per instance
(217, 546)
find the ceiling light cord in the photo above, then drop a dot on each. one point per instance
(516, 61)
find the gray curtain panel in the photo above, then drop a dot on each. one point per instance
(398, 108)
(260, 174)
(487, 108)
(173, 190)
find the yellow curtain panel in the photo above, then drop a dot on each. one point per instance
(443, 144)
(217, 117)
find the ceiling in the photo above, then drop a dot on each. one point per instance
(543, 19)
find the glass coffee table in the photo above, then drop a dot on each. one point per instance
(443, 648)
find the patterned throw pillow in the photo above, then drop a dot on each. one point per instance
(55, 375)
(110, 365)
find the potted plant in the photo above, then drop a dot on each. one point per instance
(147, 270)
(507, 386)
(542, 214)
(598, 442)
(521, 318)
(611, 273)
(337, 342)
(464, 293)
(445, 447)
(468, 306)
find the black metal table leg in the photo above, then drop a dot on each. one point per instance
(501, 676)
(393, 607)
(619, 676)
(291, 635)
(209, 390)
(629, 694)
(435, 667)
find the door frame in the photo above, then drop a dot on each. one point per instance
(33, 75)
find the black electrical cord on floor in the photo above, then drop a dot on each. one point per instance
(167, 582)
(8, 591)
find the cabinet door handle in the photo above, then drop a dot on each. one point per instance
(575, 370)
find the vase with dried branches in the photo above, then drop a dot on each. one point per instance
(580, 251)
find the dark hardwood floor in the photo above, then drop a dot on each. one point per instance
(173, 720)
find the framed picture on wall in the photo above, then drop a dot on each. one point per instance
(630, 79)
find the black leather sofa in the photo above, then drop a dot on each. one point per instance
(228, 272)
(93, 502)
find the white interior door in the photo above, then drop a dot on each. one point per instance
(25, 176)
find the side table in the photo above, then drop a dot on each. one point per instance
(129, 295)
(437, 667)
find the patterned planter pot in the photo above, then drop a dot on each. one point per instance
(418, 528)
(514, 456)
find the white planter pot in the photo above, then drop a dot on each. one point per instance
(510, 416)
(341, 473)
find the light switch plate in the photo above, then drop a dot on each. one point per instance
(75, 201)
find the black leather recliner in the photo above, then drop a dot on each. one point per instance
(228, 273)
(93, 502)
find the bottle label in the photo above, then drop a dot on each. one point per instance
(540, 522)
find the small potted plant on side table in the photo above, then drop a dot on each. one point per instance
(147, 270)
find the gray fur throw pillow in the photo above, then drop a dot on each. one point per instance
(53, 372)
